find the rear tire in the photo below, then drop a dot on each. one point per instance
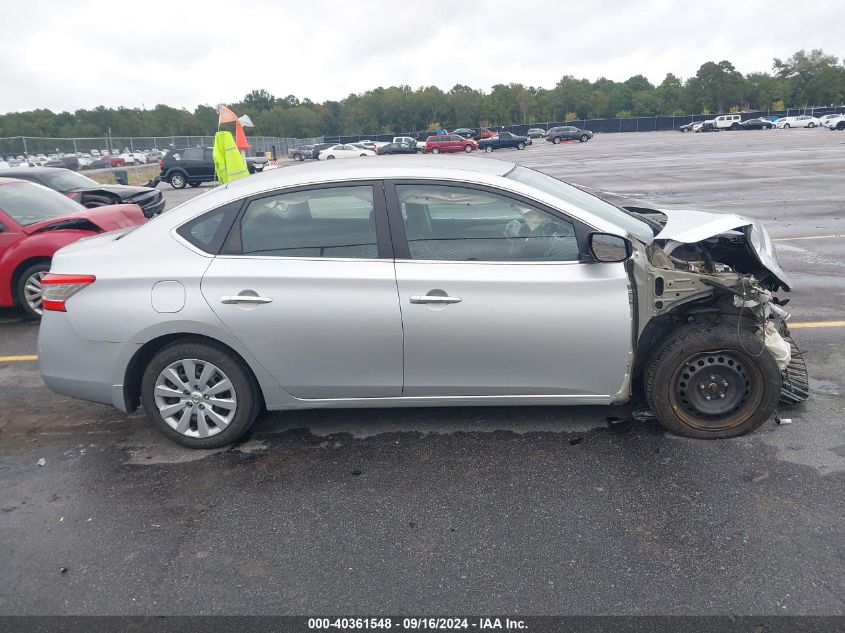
(178, 180)
(244, 392)
(735, 126)
(488, 149)
(29, 291)
(710, 381)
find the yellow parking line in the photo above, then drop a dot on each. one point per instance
(15, 359)
(807, 237)
(808, 324)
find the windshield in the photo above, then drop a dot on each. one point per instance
(67, 180)
(27, 203)
(583, 200)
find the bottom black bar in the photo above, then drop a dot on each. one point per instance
(537, 624)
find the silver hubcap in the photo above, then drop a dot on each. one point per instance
(33, 292)
(177, 181)
(195, 398)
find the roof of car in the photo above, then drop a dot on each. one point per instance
(11, 181)
(32, 170)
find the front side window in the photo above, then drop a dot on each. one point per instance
(461, 224)
(329, 222)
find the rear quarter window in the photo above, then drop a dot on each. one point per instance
(209, 231)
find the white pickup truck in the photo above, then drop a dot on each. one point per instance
(410, 141)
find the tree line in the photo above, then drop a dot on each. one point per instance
(803, 80)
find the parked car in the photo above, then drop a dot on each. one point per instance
(301, 153)
(568, 133)
(342, 150)
(587, 303)
(803, 120)
(187, 166)
(153, 156)
(486, 133)
(35, 222)
(90, 193)
(410, 141)
(827, 117)
(133, 158)
(687, 127)
(256, 164)
(837, 123)
(761, 123)
(398, 148)
(502, 140)
(536, 132)
(705, 126)
(728, 121)
(466, 132)
(445, 143)
(114, 160)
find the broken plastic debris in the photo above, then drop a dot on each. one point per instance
(41, 462)
(780, 420)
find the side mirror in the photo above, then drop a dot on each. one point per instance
(609, 248)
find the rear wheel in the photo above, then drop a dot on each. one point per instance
(712, 381)
(488, 148)
(29, 290)
(199, 395)
(734, 126)
(298, 157)
(178, 180)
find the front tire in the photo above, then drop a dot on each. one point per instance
(467, 148)
(786, 126)
(29, 291)
(712, 381)
(178, 181)
(330, 157)
(436, 150)
(556, 140)
(584, 138)
(520, 146)
(199, 395)
(811, 124)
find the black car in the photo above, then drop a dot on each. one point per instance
(301, 153)
(256, 164)
(315, 151)
(687, 127)
(568, 133)
(187, 166)
(757, 124)
(466, 132)
(88, 192)
(397, 148)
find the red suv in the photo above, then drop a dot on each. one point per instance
(449, 143)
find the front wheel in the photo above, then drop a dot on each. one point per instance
(840, 125)
(467, 148)
(735, 126)
(556, 140)
(178, 181)
(330, 157)
(712, 381)
(584, 138)
(520, 145)
(29, 290)
(199, 395)
(298, 157)
(786, 126)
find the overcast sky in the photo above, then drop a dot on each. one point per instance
(66, 55)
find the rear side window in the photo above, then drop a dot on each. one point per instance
(208, 232)
(192, 154)
(325, 222)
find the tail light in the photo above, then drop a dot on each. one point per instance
(72, 194)
(56, 289)
(161, 164)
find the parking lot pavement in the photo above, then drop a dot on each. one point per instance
(533, 510)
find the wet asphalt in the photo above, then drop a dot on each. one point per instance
(530, 510)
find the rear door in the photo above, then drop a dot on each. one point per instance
(306, 283)
(495, 298)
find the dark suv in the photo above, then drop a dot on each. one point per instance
(189, 166)
(568, 133)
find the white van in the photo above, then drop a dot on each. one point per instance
(728, 121)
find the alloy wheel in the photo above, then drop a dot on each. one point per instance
(195, 398)
(33, 291)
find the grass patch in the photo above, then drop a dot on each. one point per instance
(139, 175)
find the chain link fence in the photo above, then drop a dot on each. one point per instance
(11, 147)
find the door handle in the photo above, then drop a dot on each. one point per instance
(245, 299)
(434, 299)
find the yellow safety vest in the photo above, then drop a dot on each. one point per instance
(228, 162)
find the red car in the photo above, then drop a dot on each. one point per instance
(115, 160)
(449, 143)
(35, 222)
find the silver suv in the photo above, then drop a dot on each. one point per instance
(416, 281)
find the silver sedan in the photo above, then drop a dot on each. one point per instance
(419, 281)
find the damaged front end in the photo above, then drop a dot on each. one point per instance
(704, 267)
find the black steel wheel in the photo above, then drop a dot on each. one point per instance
(712, 381)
